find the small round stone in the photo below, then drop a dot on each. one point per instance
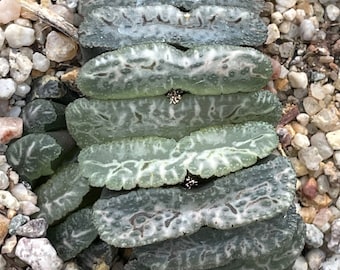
(310, 157)
(314, 237)
(323, 184)
(19, 36)
(317, 91)
(300, 264)
(314, 258)
(22, 90)
(20, 66)
(333, 139)
(298, 79)
(60, 48)
(303, 118)
(10, 10)
(332, 12)
(289, 15)
(40, 62)
(7, 88)
(327, 119)
(273, 33)
(300, 141)
(276, 18)
(286, 3)
(307, 30)
(4, 182)
(311, 105)
(320, 142)
(336, 157)
(4, 67)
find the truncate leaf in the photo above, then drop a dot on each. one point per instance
(115, 27)
(154, 69)
(156, 161)
(147, 216)
(100, 121)
(265, 245)
(62, 193)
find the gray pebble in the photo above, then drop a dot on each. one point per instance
(314, 258)
(3, 262)
(307, 30)
(331, 263)
(287, 49)
(323, 184)
(4, 182)
(314, 237)
(40, 62)
(16, 222)
(7, 88)
(22, 89)
(320, 142)
(333, 12)
(310, 157)
(336, 157)
(4, 67)
(33, 228)
(2, 37)
(334, 242)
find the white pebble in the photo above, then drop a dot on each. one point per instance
(334, 242)
(20, 66)
(311, 105)
(328, 89)
(320, 142)
(22, 89)
(3, 180)
(336, 157)
(38, 253)
(2, 37)
(289, 15)
(314, 258)
(310, 157)
(300, 15)
(40, 62)
(7, 88)
(8, 200)
(14, 177)
(317, 91)
(276, 18)
(28, 208)
(9, 245)
(23, 22)
(303, 119)
(333, 139)
(332, 12)
(19, 36)
(300, 141)
(285, 27)
(4, 67)
(300, 264)
(286, 3)
(20, 192)
(273, 33)
(331, 263)
(298, 79)
(307, 30)
(12, 11)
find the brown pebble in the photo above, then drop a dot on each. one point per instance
(307, 214)
(4, 223)
(310, 188)
(70, 76)
(281, 84)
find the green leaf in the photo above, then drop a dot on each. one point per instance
(62, 193)
(151, 215)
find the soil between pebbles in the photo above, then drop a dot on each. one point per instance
(304, 45)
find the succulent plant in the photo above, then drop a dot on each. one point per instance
(152, 215)
(204, 193)
(92, 121)
(155, 68)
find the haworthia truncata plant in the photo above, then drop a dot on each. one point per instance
(100, 121)
(265, 245)
(156, 161)
(151, 215)
(62, 193)
(85, 6)
(76, 233)
(154, 69)
(115, 27)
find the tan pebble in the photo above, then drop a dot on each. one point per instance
(326, 59)
(307, 214)
(285, 27)
(332, 172)
(306, 7)
(300, 15)
(14, 177)
(8, 200)
(273, 33)
(276, 68)
(9, 245)
(290, 130)
(59, 47)
(322, 201)
(298, 128)
(4, 223)
(70, 76)
(281, 84)
(322, 217)
(299, 167)
(310, 188)
(11, 213)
